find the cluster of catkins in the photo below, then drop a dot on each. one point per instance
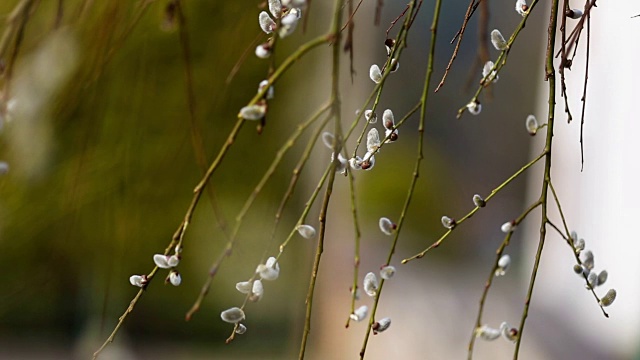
(586, 269)
(162, 261)
(489, 72)
(371, 284)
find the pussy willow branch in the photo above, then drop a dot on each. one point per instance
(584, 90)
(489, 281)
(336, 111)
(467, 16)
(292, 233)
(178, 236)
(550, 75)
(502, 59)
(419, 156)
(247, 205)
(400, 43)
(474, 210)
(356, 250)
(564, 61)
(571, 242)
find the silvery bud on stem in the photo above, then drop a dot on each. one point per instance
(266, 22)
(257, 290)
(371, 116)
(574, 13)
(508, 332)
(387, 272)
(498, 40)
(589, 261)
(503, 265)
(487, 333)
(371, 284)
(174, 278)
(608, 298)
(138, 280)
(373, 140)
(474, 107)
(233, 315)
(488, 73)
(448, 222)
(478, 201)
(275, 8)
(508, 227)
(263, 50)
(241, 329)
(307, 231)
(381, 325)
(166, 262)
(532, 125)
(253, 112)
(387, 226)
(270, 270)
(592, 280)
(375, 74)
(521, 7)
(360, 313)
(602, 277)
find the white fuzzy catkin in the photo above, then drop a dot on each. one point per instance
(387, 272)
(307, 231)
(371, 284)
(474, 107)
(373, 140)
(375, 74)
(232, 315)
(266, 22)
(531, 125)
(498, 40)
(386, 226)
(521, 7)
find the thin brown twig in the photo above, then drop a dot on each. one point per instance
(459, 36)
(584, 92)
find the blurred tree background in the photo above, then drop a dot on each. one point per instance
(105, 147)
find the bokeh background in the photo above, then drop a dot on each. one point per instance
(102, 168)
